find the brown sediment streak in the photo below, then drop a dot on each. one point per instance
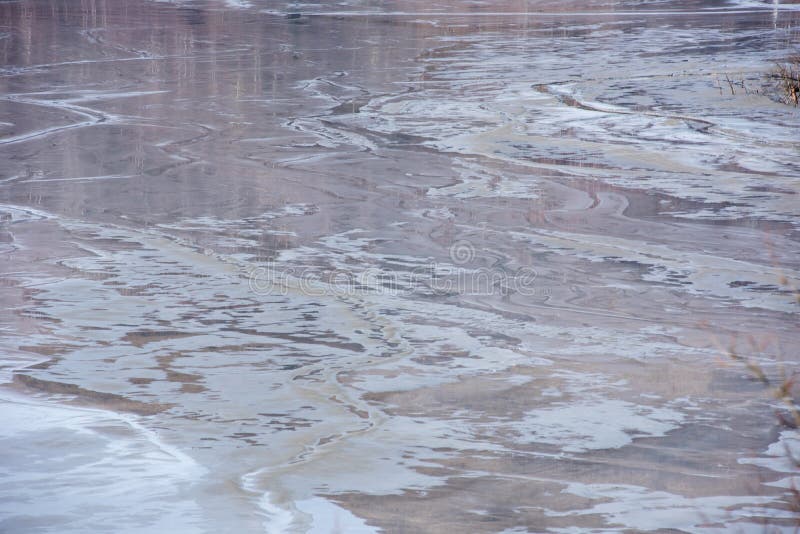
(98, 399)
(354, 347)
(142, 337)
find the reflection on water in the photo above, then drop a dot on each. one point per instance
(241, 242)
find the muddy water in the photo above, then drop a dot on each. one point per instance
(394, 266)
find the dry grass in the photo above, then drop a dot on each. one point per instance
(786, 77)
(784, 385)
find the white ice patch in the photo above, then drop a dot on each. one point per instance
(781, 457)
(642, 509)
(594, 424)
(253, 226)
(79, 470)
(328, 517)
(705, 274)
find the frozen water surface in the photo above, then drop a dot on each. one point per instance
(382, 266)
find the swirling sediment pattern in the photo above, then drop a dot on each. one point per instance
(381, 266)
